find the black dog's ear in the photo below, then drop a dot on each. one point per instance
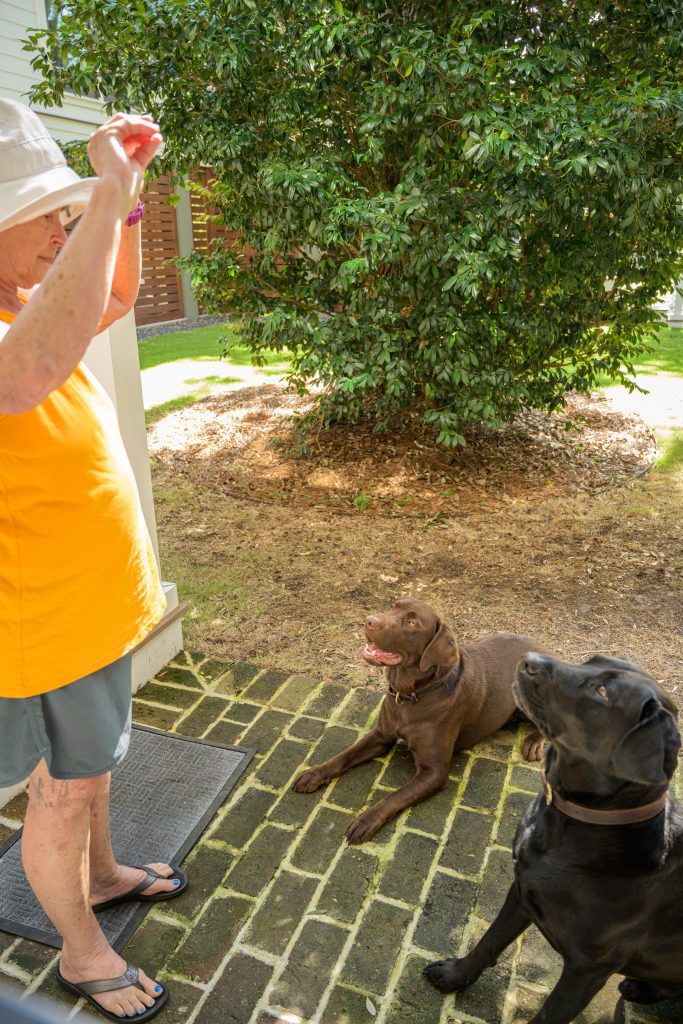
(441, 650)
(648, 753)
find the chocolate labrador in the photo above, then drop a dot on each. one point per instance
(441, 698)
(599, 856)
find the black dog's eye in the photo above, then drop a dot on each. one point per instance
(602, 692)
(409, 620)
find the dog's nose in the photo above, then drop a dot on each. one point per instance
(372, 622)
(531, 663)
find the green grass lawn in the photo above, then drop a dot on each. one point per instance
(203, 344)
(667, 354)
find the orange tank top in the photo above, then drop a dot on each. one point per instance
(79, 585)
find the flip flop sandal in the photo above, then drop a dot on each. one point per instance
(87, 989)
(137, 892)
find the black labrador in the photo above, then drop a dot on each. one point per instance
(598, 856)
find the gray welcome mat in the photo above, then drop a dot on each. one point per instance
(163, 796)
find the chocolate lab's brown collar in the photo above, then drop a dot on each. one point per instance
(416, 696)
(593, 816)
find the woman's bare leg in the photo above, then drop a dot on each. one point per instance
(55, 848)
(107, 878)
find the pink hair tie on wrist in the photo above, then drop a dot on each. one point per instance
(135, 216)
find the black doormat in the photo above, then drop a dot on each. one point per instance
(163, 796)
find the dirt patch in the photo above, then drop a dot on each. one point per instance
(555, 553)
(243, 444)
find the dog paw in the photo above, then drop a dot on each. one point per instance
(532, 748)
(447, 975)
(363, 828)
(309, 781)
(635, 991)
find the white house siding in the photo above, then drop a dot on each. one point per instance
(77, 117)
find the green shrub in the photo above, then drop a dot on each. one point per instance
(435, 192)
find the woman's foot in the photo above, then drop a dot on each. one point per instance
(126, 878)
(123, 1002)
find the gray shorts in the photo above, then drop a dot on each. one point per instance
(82, 729)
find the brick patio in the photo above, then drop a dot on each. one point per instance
(283, 920)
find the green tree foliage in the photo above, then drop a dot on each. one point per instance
(435, 192)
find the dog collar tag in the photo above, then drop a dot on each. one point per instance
(548, 790)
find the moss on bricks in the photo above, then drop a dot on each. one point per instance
(431, 815)
(212, 669)
(307, 728)
(183, 1000)
(325, 703)
(241, 712)
(265, 686)
(5, 833)
(528, 779)
(158, 718)
(377, 944)
(266, 731)
(348, 886)
(447, 907)
(307, 974)
(229, 733)
(361, 708)
(348, 1007)
(206, 868)
(295, 693)
(170, 696)
(414, 1000)
(31, 957)
(400, 768)
(182, 676)
(237, 991)
(467, 842)
(278, 917)
(152, 945)
(538, 962)
(296, 808)
(485, 783)
(408, 868)
(333, 741)
(321, 841)
(261, 861)
(211, 937)
(208, 711)
(352, 789)
(496, 882)
(515, 806)
(281, 763)
(244, 817)
(485, 999)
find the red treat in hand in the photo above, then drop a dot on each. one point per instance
(132, 143)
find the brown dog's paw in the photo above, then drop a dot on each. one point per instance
(310, 780)
(363, 827)
(532, 748)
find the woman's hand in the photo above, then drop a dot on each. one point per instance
(121, 149)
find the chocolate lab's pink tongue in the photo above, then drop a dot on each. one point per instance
(375, 656)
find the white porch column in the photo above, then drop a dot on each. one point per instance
(113, 358)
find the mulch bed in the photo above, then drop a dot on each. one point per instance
(242, 444)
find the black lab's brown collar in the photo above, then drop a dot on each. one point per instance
(593, 816)
(416, 696)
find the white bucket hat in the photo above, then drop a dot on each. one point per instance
(34, 176)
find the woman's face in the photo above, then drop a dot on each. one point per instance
(27, 251)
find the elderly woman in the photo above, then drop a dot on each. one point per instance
(78, 581)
